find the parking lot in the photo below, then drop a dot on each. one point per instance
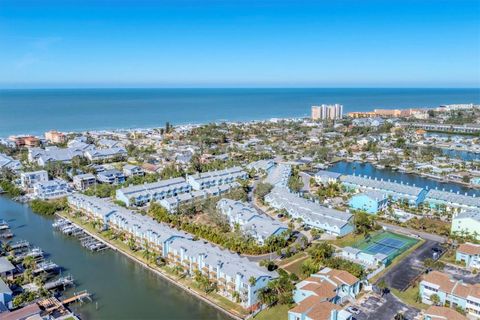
(401, 275)
(375, 307)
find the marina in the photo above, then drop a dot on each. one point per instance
(87, 241)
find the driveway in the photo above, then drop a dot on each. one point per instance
(374, 307)
(402, 274)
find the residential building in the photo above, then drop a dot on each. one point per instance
(364, 258)
(325, 177)
(28, 179)
(370, 201)
(7, 162)
(109, 143)
(469, 253)
(25, 141)
(51, 189)
(451, 292)
(130, 170)
(279, 175)
(106, 154)
(451, 201)
(112, 176)
(209, 179)
(141, 194)
(53, 154)
(55, 137)
(314, 308)
(442, 313)
(327, 112)
(331, 221)
(259, 226)
(397, 191)
(234, 275)
(465, 128)
(84, 181)
(261, 165)
(6, 267)
(5, 293)
(467, 223)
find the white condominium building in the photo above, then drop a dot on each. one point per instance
(327, 112)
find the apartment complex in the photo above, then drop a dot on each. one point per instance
(467, 223)
(7, 162)
(313, 214)
(28, 179)
(51, 189)
(209, 179)
(327, 112)
(469, 253)
(84, 181)
(236, 277)
(451, 292)
(259, 226)
(54, 136)
(452, 201)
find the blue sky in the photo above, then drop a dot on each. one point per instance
(265, 43)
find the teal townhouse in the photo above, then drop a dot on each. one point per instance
(205, 180)
(455, 202)
(396, 191)
(370, 201)
(253, 224)
(279, 175)
(314, 215)
(320, 295)
(469, 253)
(450, 292)
(236, 277)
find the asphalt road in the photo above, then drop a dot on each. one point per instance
(402, 274)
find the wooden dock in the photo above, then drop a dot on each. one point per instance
(79, 296)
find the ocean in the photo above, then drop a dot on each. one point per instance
(39, 110)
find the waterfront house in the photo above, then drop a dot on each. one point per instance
(314, 215)
(28, 179)
(6, 267)
(451, 292)
(54, 136)
(51, 189)
(469, 253)
(397, 191)
(451, 201)
(84, 181)
(236, 277)
(141, 194)
(5, 293)
(370, 201)
(93, 207)
(209, 179)
(313, 308)
(259, 226)
(442, 313)
(7, 162)
(325, 177)
(466, 223)
(112, 176)
(130, 170)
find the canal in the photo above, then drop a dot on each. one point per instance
(121, 288)
(360, 168)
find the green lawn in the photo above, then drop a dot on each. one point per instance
(348, 240)
(292, 258)
(409, 297)
(296, 267)
(278, 312)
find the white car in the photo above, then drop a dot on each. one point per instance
(353, 310)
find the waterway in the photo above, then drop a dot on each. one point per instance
(122, 289)
(360, 168)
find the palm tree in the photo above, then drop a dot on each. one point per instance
(252, 280)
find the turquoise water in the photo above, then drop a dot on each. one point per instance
(35, 111)
(360, 168)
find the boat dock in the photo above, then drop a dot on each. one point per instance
(22, 244)
(62, 282)
(68, 228)
(79, 296)
(46, 266)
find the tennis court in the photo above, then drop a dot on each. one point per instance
(387, 243)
